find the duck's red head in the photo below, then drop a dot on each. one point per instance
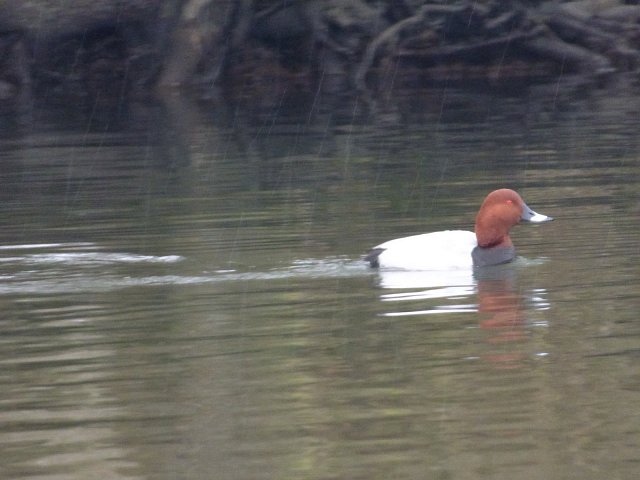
(501, 210)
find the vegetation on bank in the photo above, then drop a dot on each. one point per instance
(135, 46)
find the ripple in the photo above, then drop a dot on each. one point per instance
(95, 258)
(72, 272)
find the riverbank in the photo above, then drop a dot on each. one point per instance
(138, 47)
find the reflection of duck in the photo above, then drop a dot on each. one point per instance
(454, 291)
(503, 316)
(500, 304)
(454, 249)
(492, 294)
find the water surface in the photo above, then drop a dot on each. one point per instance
(183, 297)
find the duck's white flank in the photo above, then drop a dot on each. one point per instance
(449, 249)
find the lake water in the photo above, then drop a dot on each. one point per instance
(182, 294)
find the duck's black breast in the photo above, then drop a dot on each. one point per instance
(483, 257)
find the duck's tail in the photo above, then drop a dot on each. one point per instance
(372, 257)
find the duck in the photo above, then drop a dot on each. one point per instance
(489, 243)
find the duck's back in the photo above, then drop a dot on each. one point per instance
(429, 251)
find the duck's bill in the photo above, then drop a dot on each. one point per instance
(529, 215)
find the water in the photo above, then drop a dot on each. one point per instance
(182, 292)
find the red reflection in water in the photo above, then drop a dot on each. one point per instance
(502, 314)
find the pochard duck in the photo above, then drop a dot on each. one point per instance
(489, 244)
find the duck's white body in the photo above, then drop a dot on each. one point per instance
(446, 250)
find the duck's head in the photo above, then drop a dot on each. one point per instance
(501, 210)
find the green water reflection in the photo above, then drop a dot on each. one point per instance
(183, 296)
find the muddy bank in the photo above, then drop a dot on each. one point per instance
(134, 47)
